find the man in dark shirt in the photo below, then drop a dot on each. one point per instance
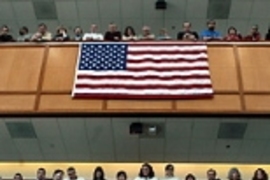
(254, 35)
(187, 34)
(113, 34)
(4, 34)
(41, 174)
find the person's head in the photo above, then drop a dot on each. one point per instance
(58, 174)
(147, 171)
(129, 31)
(121, 175)
(71, 171)
(93, 28)
(23, 30)
(187, 26)
(146, 30)
(78, 31)
(112, 27)
(18, 176)
(98, 174)
(190, 177)
(211, 24)
(41, 174)
(211, 174)
(42, 28)
(163, 31)
(169, 170)
(254, 29)
(232, 31)
(234, 174)
(260, 174)
(61, 30)
(4, 29)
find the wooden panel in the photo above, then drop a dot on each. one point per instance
(255, 63)
(60, 69)
(17, 103)
(20, 67)
(218, 103)
(138, 105)
(223, 68)
(258, 102)
(66, 103)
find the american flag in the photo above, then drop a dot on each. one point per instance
(142, 70)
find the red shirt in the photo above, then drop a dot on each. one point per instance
(233, 37)
(253, 37)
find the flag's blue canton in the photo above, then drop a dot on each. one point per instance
(102, 57)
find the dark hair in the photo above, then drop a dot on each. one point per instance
(19, 174)
(265, 175)
(232, 171)
(78, 27)
(151, 171)
(211, 21)
(42, 169)
(212, 170)
(61, 28)
(58, 171)
(98, 169)
(25, 29)
(169, 167)
(42, 24)
(71, 169)
(131, 29)
(5, 26)
(121, 173)
(190, 176)
(232, 28)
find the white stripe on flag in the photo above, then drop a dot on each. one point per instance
(166, 56)
(166, 65)
(167, 48)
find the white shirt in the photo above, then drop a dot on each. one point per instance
(170, 178)
(143, 178)
(78, 178)
(93, 36)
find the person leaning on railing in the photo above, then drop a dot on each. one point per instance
(4, 34)
(42, 34)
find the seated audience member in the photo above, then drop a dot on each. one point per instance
(254, 34)
(187, 33)
(4, 34)
(129, 34)
(260, 174)
(234, 174)
(61, 34)
(169, 173)
(24, 35)
(41, 174)
(58, 174)
(98, 174)
(163, 35)
(267, 36)
(112, 34)
(72, 175)
(190, 177)
(211, 34)
(42, 34)
(146, 172)
(18, 176)
(212, 175)
(121, 175)
(146, 34)
(233, 35)
(78, 32)
(93, 35)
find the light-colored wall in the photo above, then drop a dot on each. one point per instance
(7, 170)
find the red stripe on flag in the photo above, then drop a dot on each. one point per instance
(176, 61)
(166, 52)
(127, 77)
(163, 69)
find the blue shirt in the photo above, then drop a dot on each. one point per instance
(210, 34)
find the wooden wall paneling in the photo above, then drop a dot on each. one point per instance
(17, 103)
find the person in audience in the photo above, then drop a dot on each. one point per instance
(113, 34)
(58, 174)
(42, 34)
(129, 34)
(98, 174)
(163, 35)
(212, 175)
(93, 35)
(234, 174)
(121, 175)
(169, 173)
(211, 34)
(61, 34)
(267, 36)
(4, 34)
(190, 177)
(233, 35)
(146, 172)
(24, 35)
(260, 174)
(78, 33)
(187, 33)
(72, 175)
(254, 34)
(146, 34)
(18, 176)
(41, 174)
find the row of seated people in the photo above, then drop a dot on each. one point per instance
(129, 34)
(146, 173)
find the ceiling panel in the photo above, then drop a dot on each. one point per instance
(202, 157)
(202, 146)
(176, 9)
(127, 145)
(228, 146)
(67, 10)
(240, 9)
(112, 9)
(192, 6)
(149, 11)
(127, 157)
(55, 157)
(177, 146)
(24, 10)
(260, 9)
(151, 146)
(205, 128)
(6, 11)
(179, 128)
(88, 9)
(153, 157)
(131, 8)
(248, 147)
(258, 125)
(46, 127)
(176, 157)
(8, 146)
(4, 134)
(101, 157)
(27, 146)
(52, 145)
